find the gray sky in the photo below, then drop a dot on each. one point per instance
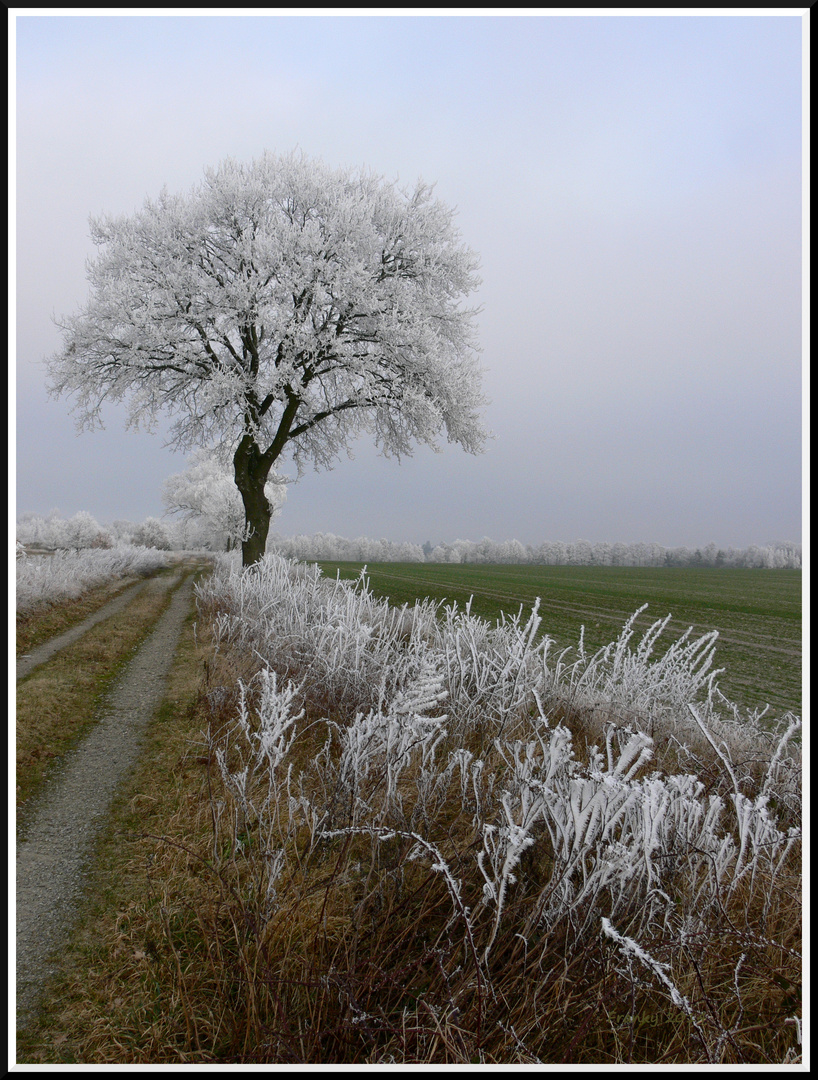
(632, 184)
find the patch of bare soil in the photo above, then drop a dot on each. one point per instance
(53, 858)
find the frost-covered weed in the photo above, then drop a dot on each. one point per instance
(454, 736)
(351, 649)
(632, 679)
(492, 672)
(46, 579)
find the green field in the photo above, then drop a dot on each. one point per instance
(757, 612)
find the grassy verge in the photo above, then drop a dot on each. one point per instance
(114, 998)
(36, 627)
(57, 703)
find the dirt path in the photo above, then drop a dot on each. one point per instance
(29, 661)
(59, 837)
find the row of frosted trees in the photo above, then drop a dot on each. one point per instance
(83, 531)
(327, 547)
(54, 532)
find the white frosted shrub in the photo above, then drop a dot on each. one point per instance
(348, 646)
(46, 579)
(657, 854)
(354, 652)
(492, 672)
(79, 531)
(636, 682)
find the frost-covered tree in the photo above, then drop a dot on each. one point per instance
(54, 531)
(207, 491)
(81, 530)
(280, 306)
(152, 533)
(601, 554)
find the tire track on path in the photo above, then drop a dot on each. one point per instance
(53, 859)
(29, 661)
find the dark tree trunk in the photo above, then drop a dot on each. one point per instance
(251, 471)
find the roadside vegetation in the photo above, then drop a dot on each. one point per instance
(375, 834)
(49, 579)
(756, 612)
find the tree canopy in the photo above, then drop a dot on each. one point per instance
(281, 306)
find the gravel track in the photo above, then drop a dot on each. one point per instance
(29, 661)
(54, 856)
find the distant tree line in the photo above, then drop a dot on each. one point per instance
(327, 547)
(200, 532)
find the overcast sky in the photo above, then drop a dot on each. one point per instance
(633, 187)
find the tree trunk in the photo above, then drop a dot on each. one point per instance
(251, 473)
